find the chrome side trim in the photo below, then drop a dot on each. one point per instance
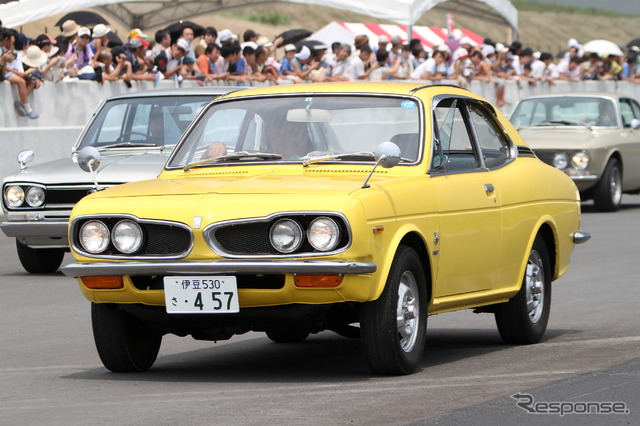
(75, 270)
(580, 237)
(585, 178)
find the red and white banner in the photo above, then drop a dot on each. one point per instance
(345, 32)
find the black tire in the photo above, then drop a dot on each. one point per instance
(39, 261)
(607, 195)
(124, 343)
(287, 335)
(390, 347)
(517, 321)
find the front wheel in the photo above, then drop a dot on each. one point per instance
(393, 327)
(607, 195)
(39, 261)
(124, 343)
(523, 319)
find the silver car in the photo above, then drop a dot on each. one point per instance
(593, 137)
(134, 134)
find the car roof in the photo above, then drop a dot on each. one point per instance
(355, 88)
(579, 94)
(193, 91)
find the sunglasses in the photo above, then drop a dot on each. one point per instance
(85, 36)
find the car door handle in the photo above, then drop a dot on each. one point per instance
(489, 188)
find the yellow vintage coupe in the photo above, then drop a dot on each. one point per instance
(357, 208)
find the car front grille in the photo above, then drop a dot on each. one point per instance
(244, 281)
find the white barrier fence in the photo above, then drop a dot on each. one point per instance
(65, 107)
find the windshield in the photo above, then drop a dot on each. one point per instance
(143, 122)
(294, 128)
(565, 111)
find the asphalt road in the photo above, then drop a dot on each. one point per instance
(51, 374)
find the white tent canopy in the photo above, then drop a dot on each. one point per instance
(156, 13)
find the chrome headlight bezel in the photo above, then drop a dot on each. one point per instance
(35, 196)
(323, 234)
(127, 236)
(580, 160)
(14, 196)
(94, 237)
(286, 235)
(561, 160)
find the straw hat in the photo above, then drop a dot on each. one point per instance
(69, 28)
(34, 57)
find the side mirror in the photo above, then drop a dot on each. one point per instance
(387, 155)
(24, 157)
(635, 124)
(89, 161)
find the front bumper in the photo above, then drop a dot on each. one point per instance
(38, 234)
(76, 270)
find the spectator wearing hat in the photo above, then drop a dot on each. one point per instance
(286, 65)
(209, 62)
(268, 45)
(191, 71)
(13, 75)
(396, 48)
(100, 39)
(303, 63)
(68, 35)
(136, 50)
(137, 32)
(225, 37)
(79, 54)
(169, 61)
(48, 45)
(383, 41)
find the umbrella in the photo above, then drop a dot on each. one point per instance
(311, 44)
(635, 42)
(293, 36)
(602, 48)
(84, 18)
(175, 29)
(114, 40)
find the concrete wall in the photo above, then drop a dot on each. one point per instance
(65, 107)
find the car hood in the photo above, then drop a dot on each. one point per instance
(114, 169)
(265, 183)
(574, 138)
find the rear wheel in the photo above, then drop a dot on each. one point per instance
(523, 319)
(607, 195)
(39, 261)
(393, 327)
(124, 343)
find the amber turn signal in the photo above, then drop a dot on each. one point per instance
(317, 280)
(103, 282)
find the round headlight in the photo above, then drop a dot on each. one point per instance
(94, 236)
(323, 234)
(35, 196)
(14, 196)
(286, 235)
(561, 160)
(126, 236)
(580, 160)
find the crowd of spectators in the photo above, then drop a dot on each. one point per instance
(82, 53)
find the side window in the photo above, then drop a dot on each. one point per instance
(636, 109)
(627, 112)
(454, 149)
(492, 141)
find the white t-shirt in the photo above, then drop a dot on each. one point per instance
(562, 69)
(357, 68)
(427, 66)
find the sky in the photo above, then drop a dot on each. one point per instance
(623, 6)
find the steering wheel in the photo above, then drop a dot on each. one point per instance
(122, 136)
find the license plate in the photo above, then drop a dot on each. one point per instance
(201, 295)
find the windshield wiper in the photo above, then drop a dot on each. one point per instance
(306, 160)
(235, 156)
(564, 122)
(129, 145)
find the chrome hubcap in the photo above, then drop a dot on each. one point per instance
(534, 286)
(616, 187)
(408, 311)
